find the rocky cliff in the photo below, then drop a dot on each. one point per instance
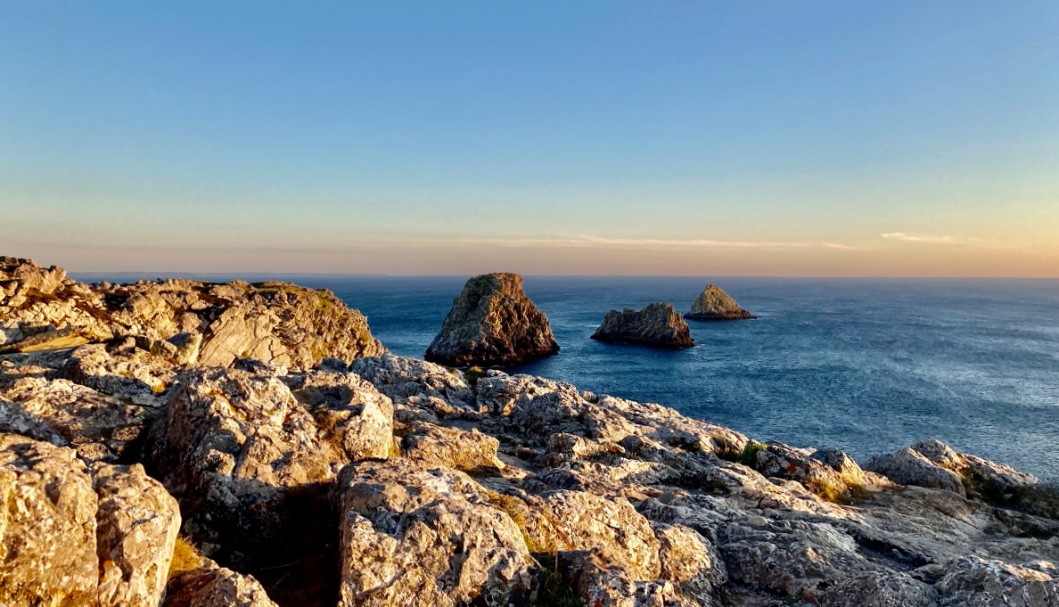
(393, 481)
(191, 322)
(492, 322)
(714, 304)
(658, 324)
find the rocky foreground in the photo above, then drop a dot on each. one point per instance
(134, 475)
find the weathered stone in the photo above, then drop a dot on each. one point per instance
(418, 383)
(137, 524)
(658, 324)
(776, 460)
(229, 445)
(976, 582)
(714, 304)
(908, 467)
(99, 427)
(183, 320)
(438, 446)
(431, 538)
(123, 371)
(880, 589)
(350, 410)
(47, 526)
(211, 585)
(71, 536)
(275, 322)
(492, 322)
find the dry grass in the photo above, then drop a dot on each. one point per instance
(185, 557)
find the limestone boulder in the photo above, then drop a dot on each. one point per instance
(419, 537)
(252, 461)
(70, 535)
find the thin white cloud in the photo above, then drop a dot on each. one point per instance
(929, 238)
(590, 241)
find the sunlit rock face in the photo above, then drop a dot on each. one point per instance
(714, 304)
(492, 322)
(189, 322)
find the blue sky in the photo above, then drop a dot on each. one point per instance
(822, 138)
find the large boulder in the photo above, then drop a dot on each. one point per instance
(417, 537)
(492, 322)
(658, 324)
(714, 304)
(70, 535)
(249, 458)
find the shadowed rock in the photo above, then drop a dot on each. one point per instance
(714, 304)
(658, 324)
(492, 322)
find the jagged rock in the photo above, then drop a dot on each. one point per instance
(658, 324)
(714, 304)
(795, 559)
(99, 427)
(47, 526)
(275, 322)
(184, 320)
(124, 371)
(776, 460)
(932, 463)
(137, 524)
(210, 585)
(492, 322)
(437, 446)
(242, 452)
(350, 410)
(976, 582)
(909, 467)
(691, 563)
(41, 308)
(418, 383)
(880, 589)
(71, 536)
(431, 538)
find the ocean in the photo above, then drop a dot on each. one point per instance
(864, 365)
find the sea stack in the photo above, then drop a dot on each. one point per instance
(714, 304)
(492, 322)
(658, 324)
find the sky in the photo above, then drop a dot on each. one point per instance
(774, 138)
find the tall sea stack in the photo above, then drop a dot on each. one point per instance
(492, 322)
(714, 304)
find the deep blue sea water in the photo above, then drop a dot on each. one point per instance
(864, 365)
